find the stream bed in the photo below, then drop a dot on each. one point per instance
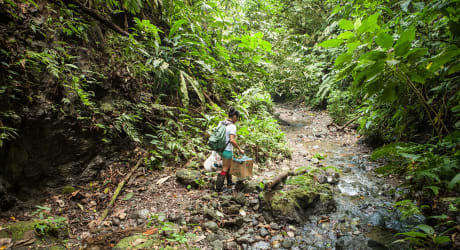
(364, 217)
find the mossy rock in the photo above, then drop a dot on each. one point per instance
(130, 242)
(22, 230)
(298, 202)
(188, 177)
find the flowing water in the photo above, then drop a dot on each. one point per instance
(365, 217)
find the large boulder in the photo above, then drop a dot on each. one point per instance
(298, 201)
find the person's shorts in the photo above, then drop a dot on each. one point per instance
(226, 154)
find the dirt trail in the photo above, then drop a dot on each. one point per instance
(235, 220)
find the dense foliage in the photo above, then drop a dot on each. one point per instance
(160, 74)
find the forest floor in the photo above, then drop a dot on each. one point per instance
(154, 209)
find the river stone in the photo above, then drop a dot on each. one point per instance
(217, 245)
(231, 245)
(263, 232)
(188, 177)
(211, 225)
(348, 242)
(246, 238)
(287, 243)
(262, 245)
(141, 214)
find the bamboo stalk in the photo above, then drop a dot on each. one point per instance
(118, 190)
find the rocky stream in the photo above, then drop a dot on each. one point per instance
(333, 200)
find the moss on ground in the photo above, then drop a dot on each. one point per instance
(22, 230)
(128, 242)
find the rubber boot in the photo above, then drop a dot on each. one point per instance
(229, 181)
(220, 182)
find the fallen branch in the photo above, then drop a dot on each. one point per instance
(341, 128)
(282, 178)
(98, 17)
(118, 190)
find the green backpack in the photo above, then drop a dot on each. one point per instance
(217, 140)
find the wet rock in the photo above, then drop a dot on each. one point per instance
(396, 221)
(262, 245)
(349, 242)
(274, 226)
(245, 239)
(287, 243)
(231, 245)
(233, 209)
(376, 219)
(217, 245)
(211, 214)
(263, 232)
(241, 199)
(211, 225)
(142, 214)
(188, 177)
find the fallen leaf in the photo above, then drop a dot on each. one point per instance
(218, 213)
(60, 203)
(263, 225)
(242, 212)
(12, 218)
(151, 231)
(80, 206)
(106, 190)
(128, 196)
(199, 238)
(162, 180)
(25, 242)
(5, 243)
(138, 242)
(75, 193)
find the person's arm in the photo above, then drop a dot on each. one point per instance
(233, 142)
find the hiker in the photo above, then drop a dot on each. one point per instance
(230, 140)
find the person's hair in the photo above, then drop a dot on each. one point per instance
(233, 112)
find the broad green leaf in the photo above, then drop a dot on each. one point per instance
(369, 24)
(352, 46)
(416, 53)
(454, 68)
(183, 90)
(414, 234)
(425, 228)
(444, 57)
(454, 181)
(331, 43)
(346, 35)
(343, 58)
(435, 189)
(389, 94)
(374, 55)
(195, 86)
(176, 26)
(384, 40)
(346, 24)
(441, 240)
(404, 42)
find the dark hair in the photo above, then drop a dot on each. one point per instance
(233, 112)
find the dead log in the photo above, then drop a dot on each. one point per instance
(118, 190)
(341, 128)
(92, 13)
(282, 178)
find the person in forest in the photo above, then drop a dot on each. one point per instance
(227, 154)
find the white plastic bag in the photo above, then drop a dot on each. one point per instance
(213, 160)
